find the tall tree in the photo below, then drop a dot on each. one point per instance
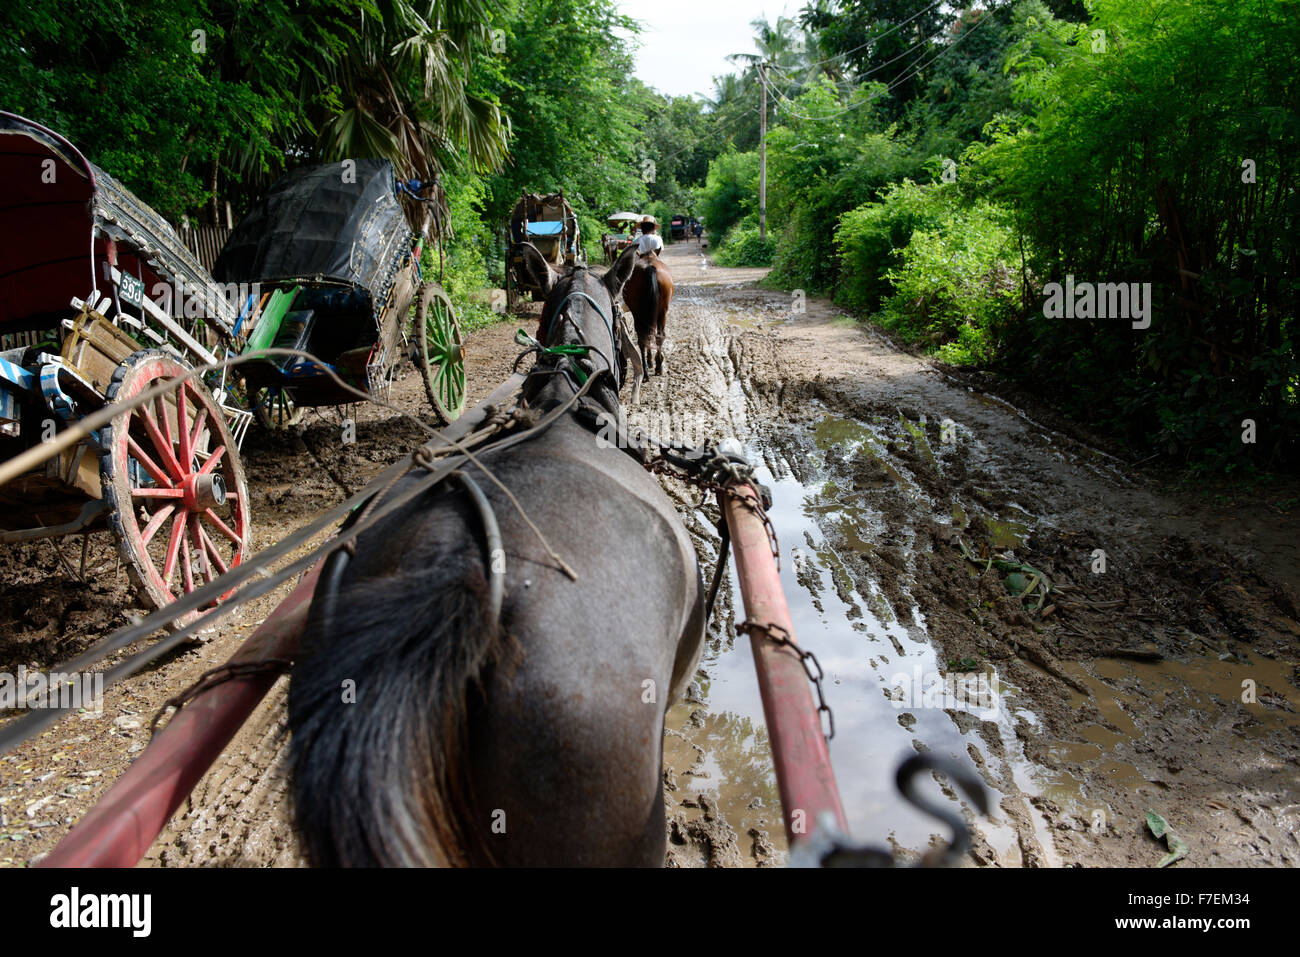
(882, 40)
(563, 76)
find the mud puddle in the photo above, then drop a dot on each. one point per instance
(880, 667)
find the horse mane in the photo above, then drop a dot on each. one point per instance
(416, 647)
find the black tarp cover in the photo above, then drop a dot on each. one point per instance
(320, 223)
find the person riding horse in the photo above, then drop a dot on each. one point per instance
(648, 242)
(647, 293)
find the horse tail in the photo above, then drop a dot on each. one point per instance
(651, 296)
(392, 667)
(664, 295)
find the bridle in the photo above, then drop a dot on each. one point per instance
(565, 353)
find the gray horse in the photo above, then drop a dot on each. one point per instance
(428, 731)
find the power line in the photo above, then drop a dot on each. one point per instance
(732, 122)
(877, 68)
(878, 37)
(898, 81)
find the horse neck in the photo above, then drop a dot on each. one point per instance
(557, 389)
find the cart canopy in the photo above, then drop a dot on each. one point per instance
(57, 213)
(546, 229)
(337, 222)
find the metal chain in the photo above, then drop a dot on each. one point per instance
(811, 666)
(723, 475)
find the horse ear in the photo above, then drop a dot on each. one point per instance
(621, 271)
(540, 274)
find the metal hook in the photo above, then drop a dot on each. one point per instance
(827, 847)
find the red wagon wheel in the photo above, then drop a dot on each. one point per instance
(173, 482)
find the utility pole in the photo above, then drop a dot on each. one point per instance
(762, 155)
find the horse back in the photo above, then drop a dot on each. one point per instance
(665, 281)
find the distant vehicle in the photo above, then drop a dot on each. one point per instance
(549, 224)
(613, 244)
(677, 227)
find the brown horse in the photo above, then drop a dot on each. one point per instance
(647, 295)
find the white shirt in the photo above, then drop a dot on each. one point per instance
(647, 243)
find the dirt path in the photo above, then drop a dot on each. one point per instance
(1123, 692)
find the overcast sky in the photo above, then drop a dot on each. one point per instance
(684, 43)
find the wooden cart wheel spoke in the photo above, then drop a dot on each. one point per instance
(152, 492)
(451, 386)
(155, 523)
(200, 420)
(182, 425)
(162, 444)
(214, 553)
(196, 543)
(221, 526)
(187, 563)
(150, 466)
(439, 325)
(173, 548)
(213, 461)
(164, 420)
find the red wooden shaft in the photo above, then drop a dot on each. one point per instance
(799, 752)
(128, 819)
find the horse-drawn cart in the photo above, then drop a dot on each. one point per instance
(80, 259)
(613, 244)
(337, 269)
(548, 223)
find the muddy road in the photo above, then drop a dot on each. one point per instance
(1159, 671)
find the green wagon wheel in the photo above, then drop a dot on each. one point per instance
(442, 352)
(275, 409)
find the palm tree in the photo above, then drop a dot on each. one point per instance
(394, 82)
(792, 55)
(780, 44)
(404, 87)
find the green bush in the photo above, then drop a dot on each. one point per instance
(956, 288)
(871, 239)
(742, 247)
(937, 270)
(730, 192)
(1125, 166)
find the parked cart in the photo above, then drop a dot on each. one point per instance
(337, 271)
(99, 301)
(550, 224)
